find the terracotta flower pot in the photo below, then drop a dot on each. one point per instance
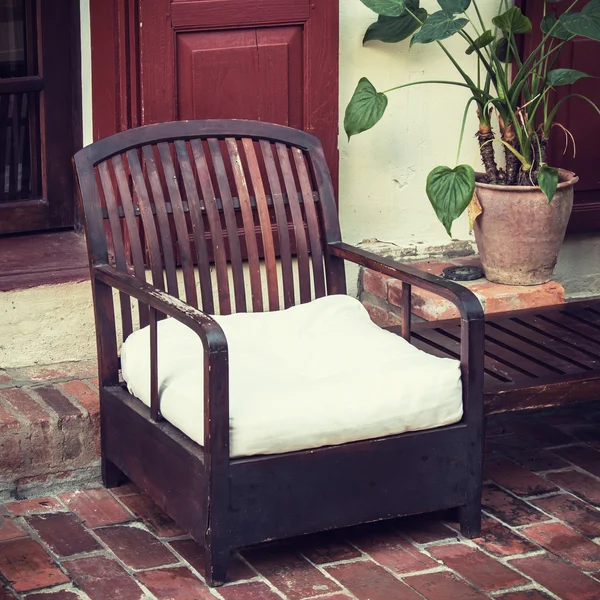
(519, 234)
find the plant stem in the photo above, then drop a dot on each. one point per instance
(398, 87)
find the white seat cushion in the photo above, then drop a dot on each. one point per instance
(317, 374)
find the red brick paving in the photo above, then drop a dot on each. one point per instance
(581, 484)
(250, 591)
(509, 509)
(443, 586)
(368, 581)
(516, 479)
(137, 548)
(293, 575)
(558, 577)
(573, 511)
(392, 550)
(63, 534)
(157, 521)
(61, 595)
(103, 578)
(566, 543)
(37, 505)
(477, 567)
(26, 566)
(499, 540)
(96, 508)
(178, 583)
(539, 534)
(193, 553)
(10, 530)
(525, 595)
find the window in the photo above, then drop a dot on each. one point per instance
(36, 115)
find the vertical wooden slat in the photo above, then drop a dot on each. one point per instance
(4, 146)
(187, 174)
(282, 225)
(248, 221)
(154, 399)
(214, 221)
(312, 221)
(265, 223)
(14, 168)
(151, 235)
(334, 265)
(235, 254)
(183, 239)
(133, 234)
(406, 309)
(163, 220)
(297, 222)
(117, 239)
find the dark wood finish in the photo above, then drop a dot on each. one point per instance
(227, 502)
(45, 131)
(576, 115)
(42, 259)
(534, 358)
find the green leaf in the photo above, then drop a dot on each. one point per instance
(512, 21)
(548, 180)
(564, 77)
(395, 29)
(549, 21)
(485, 39)
(450, 191)
(438, 26)
(502, 50)
(586, 23)
(365, 109)
(454, 7)
(391, 8)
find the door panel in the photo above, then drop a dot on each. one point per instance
(244, 63)
(269, 60)
(578, 117)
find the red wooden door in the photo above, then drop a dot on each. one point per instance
(270, 60)
(578, 117)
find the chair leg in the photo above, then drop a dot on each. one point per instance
(216, 560)
(112, 476)
(469, 517)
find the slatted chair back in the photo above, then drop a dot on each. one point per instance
(248, 202)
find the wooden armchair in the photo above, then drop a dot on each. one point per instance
(254, 203)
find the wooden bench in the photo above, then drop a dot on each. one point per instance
(534, 358)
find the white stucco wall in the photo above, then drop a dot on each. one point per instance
(383, 171)
(86, 71)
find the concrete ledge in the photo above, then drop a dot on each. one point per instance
(382, 296)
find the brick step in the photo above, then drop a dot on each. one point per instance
(49, 430)
(382, 296)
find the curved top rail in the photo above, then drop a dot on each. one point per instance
(184, 130)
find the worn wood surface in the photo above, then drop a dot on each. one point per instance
(534, 358)
(150, 196)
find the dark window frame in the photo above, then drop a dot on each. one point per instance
(57, 83)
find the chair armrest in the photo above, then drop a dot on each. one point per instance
(202, 324)
(464, 299)
(216, 368)
(472, 342)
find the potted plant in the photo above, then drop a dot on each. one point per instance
(521, 209)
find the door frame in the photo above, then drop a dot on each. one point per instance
(116, 74)
(585, 217)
